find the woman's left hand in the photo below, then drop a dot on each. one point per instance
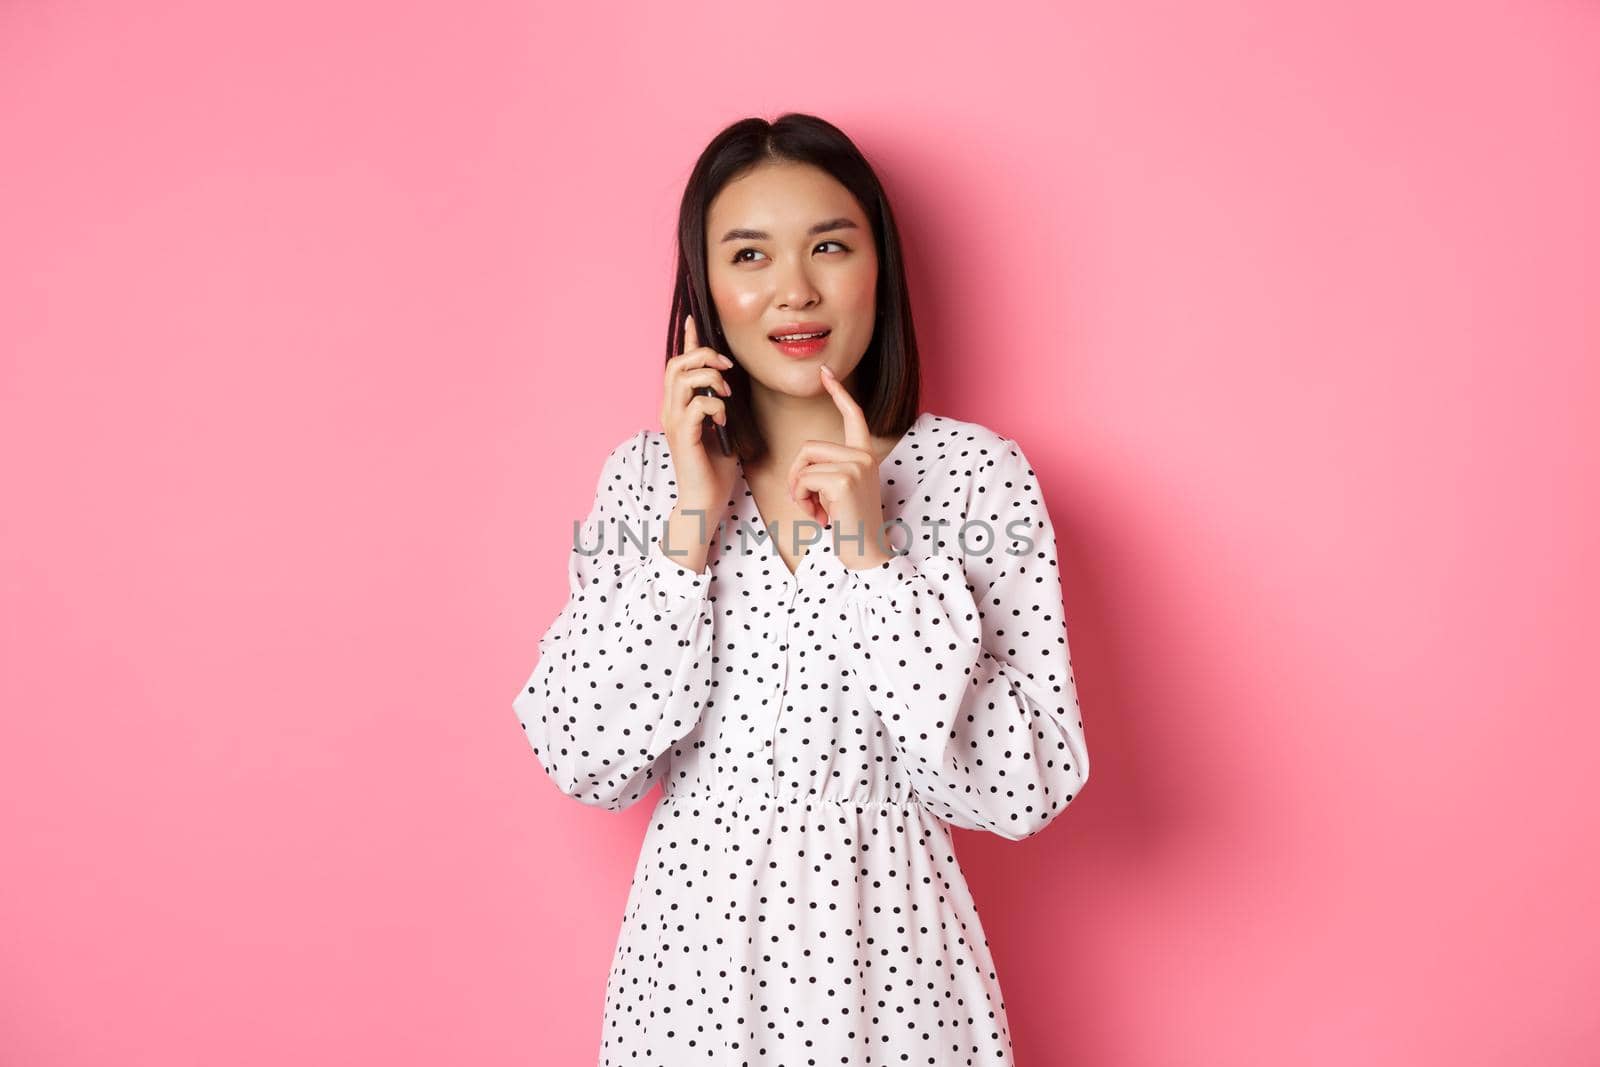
(838, 484)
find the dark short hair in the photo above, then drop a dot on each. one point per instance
(888, 378)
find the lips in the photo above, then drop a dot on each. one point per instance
(805, 349)
(790, 329)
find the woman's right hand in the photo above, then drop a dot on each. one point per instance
(705, 477)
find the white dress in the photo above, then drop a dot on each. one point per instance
(797, 898)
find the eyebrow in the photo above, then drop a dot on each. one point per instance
(840, 223)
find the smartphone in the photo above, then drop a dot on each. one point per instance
(706, 390)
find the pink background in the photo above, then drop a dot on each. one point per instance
(318, 320)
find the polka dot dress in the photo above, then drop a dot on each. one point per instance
(816, 734)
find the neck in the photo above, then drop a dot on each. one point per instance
(789, 421)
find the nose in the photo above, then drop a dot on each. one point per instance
(795, 289)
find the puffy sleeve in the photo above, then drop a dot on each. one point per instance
(624, 671)
(964, 657)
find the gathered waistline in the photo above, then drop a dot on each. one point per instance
(794, 800)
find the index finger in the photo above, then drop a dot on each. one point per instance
(856, 434)
(691, 336)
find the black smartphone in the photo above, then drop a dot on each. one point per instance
(706, 390)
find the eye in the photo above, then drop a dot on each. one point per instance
(742, 251)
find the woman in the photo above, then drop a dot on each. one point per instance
(822, 704)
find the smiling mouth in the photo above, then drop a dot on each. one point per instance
(803, 346)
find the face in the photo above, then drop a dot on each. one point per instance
(785, 244)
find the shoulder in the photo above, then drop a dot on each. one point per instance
(969, 451)
(625, 459)
(988, 471)
(648, 462)
(636, 474)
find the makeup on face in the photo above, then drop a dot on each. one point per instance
(791, 265)
(800, 340)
